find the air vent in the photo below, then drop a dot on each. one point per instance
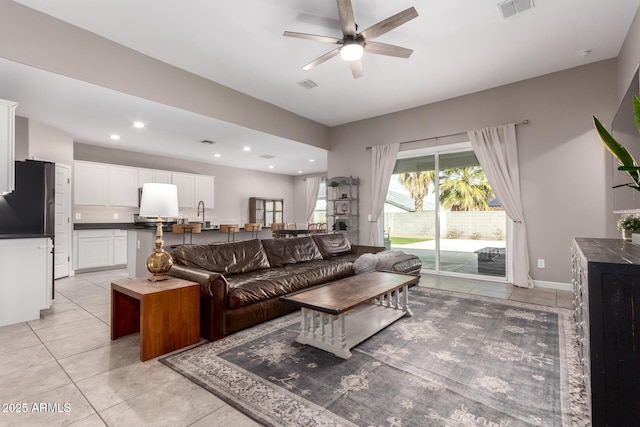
(268, 156)
(511, 7)
(207, 141)
(308, 84)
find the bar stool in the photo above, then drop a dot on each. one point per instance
(185, 229)
(254, 227)
(276, 227)
(231, 230)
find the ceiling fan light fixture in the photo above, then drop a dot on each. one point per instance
(351, 51)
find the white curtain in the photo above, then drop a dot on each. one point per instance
(497, 153)
(313, 187)
(383, 160)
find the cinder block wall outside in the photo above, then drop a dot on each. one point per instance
(489, 225)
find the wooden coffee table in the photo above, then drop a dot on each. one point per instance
(341, 314)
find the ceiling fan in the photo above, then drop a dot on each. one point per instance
(353, 44)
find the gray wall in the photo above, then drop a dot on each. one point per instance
(562, 163)
(629, 57)
(35, 140)
(42, 41)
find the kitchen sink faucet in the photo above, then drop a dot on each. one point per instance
(198, 212)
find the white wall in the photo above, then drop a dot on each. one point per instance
(562, 163)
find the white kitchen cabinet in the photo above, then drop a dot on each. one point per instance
(7, 145)
(26, 279)
(99, 184)
(90, 184)
(186, 187)
(203, 188)
(123, 186)
(97, 249)
(162, 177)
(153, 176)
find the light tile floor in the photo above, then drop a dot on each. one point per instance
(63, 369)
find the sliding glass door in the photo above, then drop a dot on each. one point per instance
(441, 207)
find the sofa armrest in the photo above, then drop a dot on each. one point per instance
(362, 249)
(212, 285)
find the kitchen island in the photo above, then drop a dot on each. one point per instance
(100, 246)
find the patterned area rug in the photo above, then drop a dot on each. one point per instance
(460, 360)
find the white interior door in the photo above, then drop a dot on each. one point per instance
(62, 249)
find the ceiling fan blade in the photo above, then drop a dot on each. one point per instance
(322, 59)
(356, 68)
(347, 21)
(387, 49)
(321, 39)
(384, 26)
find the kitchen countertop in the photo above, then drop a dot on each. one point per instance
(24, 236)
(126, 226)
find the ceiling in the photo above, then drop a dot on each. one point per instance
(460, 47)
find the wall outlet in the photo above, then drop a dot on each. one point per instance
(78, 215)
(540, 263)
(115, 215)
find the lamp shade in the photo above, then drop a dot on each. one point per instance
(159, 200)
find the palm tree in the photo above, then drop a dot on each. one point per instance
(465, 189)
(417, 183)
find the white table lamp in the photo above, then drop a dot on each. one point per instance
(159, 200)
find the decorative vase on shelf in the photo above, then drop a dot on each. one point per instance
(626, 234)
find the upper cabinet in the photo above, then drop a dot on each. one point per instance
(186, 193)
(90, 184)
(153, 176)
(123, 186)
(99, 184)
(7, 145)
(192, 189)
(203, 188)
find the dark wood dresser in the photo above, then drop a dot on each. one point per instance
(606, 285)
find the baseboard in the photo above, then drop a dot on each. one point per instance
(553, 285)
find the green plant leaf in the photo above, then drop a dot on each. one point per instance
(625, 158)
(636, 110)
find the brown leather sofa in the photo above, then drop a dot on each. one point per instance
(241, 282)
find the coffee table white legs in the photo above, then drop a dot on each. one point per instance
(337, 334)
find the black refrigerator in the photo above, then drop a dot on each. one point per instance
(30, 209)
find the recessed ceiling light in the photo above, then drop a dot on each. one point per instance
(114, 137)
(311, 160)
(299, 171)
(138, 125)
(246, 148)
(270, 166)
(217, 155)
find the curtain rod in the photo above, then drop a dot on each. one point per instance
(524, 122)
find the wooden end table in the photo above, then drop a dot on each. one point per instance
(166, 313)
(341, 314)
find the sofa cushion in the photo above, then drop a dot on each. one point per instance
(230, 258)
(331, 245)
(290, 250)
(257, 286)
